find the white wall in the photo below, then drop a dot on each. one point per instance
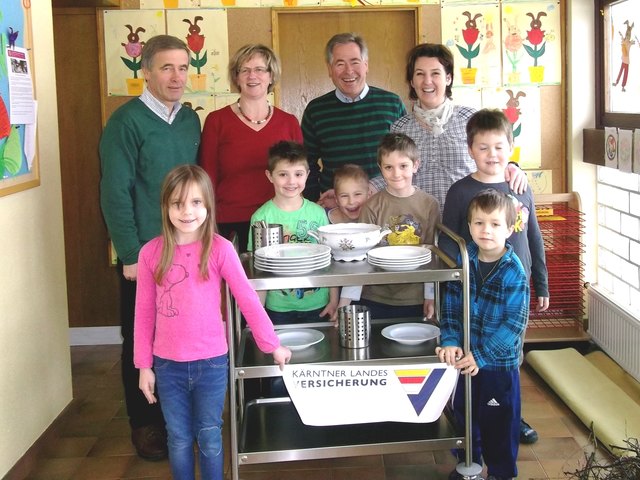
(619, 236)
(581, 114)
(35, 383)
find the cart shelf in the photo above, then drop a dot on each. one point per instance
(268, 430)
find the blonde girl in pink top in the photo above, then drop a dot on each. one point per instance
(179, 337)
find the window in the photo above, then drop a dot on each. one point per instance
(617, 52)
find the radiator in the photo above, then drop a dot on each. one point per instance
(614, 329)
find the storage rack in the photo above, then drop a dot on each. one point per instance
(562, 227)
(269, 430)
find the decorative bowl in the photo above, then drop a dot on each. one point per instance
(349, 241)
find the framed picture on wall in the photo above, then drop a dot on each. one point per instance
(19, 167)
(617, 63)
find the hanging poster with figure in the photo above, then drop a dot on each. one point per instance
(18, 109)
(205, 33)
(471, 33)
(125, 33)
(201, 104)
(531, 43)
(622, 28)
(521, 106)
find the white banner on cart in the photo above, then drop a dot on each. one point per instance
(345, 394)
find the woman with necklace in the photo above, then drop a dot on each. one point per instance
(437, 126)
(236, 140)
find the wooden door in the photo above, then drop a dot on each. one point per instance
(92, 284)
(300, 36)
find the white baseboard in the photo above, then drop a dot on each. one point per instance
(94, 336)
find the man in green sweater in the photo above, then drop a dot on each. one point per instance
(143, 140)
(346, 124)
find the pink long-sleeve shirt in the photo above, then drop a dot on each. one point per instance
(181, 319)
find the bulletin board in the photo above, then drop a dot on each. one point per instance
(19, 165)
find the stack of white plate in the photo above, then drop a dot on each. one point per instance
(292, 258)
(398, 258)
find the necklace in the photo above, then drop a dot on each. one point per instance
(256, 122)
(483, 266)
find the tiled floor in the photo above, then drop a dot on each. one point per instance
(93, 440)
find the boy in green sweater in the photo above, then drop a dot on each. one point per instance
(288, 171)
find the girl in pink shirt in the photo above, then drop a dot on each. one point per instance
(178, 324)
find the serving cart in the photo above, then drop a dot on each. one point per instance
(266, 430)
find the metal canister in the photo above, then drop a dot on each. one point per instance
(263, 236)
(354, 325)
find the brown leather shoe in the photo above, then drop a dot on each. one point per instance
(150, 442)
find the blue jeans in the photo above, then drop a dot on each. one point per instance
(193, 396)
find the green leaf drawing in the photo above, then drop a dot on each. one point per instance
(131, 64)
(542, 49)
(517, 131)
(199, 62)
(12, 155)
(535, 53)
(463, 51)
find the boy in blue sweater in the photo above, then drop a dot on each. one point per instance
(499, 293)
(490, 142)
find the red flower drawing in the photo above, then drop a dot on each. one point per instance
(195, 41)
(470, 35)
(535, 37)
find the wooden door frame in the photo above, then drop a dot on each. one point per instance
(277, 12)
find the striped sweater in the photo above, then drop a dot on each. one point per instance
(337, 133)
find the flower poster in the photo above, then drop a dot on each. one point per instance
(467, 97)
(472, 34)
(205, 33)
(202, 104)
(222, 101)
(521, 106)
(125, 32)
(531, 48)
(540, 181)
